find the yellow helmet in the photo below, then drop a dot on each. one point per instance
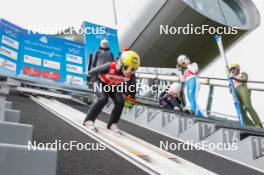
(130, 59)
(234, 65)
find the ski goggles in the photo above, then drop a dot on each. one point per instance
(128, 68)
(233, 69)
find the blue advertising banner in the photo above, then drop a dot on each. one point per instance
(10, 45)
(38, 56)
(49, 58)
(75, 63)
(42, 57)
(94, 34)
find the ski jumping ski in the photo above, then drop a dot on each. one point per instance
(219, 42)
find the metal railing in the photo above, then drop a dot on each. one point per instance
(252, 85)
(164, 79)
(160, 79)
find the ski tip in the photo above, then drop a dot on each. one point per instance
(217, 37)
(172, 158)
(139, 154)
(143, 156)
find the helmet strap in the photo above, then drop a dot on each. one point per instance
(119, 65)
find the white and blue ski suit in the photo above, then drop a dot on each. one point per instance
(191, 88)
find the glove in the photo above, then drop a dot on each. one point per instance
(231, 76)
(90, 84)
(129, 103)
(193, 68)
(178, 67)
(176, 108)
(88, 78)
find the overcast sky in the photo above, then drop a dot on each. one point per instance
(63, 13)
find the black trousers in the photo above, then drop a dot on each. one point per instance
(176, 103)
(102, 99)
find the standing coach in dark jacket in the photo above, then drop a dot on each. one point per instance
(103, 54)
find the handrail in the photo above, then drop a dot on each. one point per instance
(252, 85)
(163, 74)
(211, 82)
(212, 119)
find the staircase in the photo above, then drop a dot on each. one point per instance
(16, 156)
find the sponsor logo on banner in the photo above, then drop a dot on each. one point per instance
(43, 39)
(10, 42)
(74, 80)
(32, 60)
(74, 51)
(74, 58)
(10, 33)
(74, 69)
(31, 71)
(51, 64)
(51, 75)
(7, 64)
(8, 52)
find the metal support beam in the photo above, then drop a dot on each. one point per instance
(210, 100)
